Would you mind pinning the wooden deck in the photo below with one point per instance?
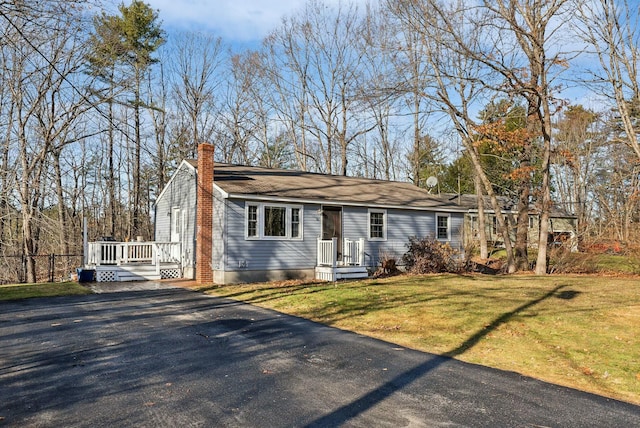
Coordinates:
(134, 261)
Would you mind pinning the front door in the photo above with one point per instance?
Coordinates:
(332, 226)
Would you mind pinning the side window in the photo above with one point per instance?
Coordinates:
(296, 230)
(377, 224)
(252, 221)
(442, 227)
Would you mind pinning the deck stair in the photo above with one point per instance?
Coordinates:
(351, 265)
(328, 273)
(134, 261)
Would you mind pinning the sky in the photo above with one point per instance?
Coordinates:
(236, 21)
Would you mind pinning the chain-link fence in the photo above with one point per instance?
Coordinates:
(49, 267)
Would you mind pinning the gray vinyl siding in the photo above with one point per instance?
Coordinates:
(262, 254)
(400, 225)
(162, 227)
(181, 192)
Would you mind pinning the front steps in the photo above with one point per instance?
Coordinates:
(328, 273)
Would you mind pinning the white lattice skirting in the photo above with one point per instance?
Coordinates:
(106, 276)
(169, 273)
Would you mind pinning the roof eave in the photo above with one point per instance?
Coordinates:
(289, 200)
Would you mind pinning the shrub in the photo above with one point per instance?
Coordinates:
(561, 261)
(427, 255)
(388, 266)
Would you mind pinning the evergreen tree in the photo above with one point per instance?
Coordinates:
(122, 55)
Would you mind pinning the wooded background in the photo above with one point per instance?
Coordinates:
(536, 100)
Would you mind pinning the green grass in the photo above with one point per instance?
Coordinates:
(577, 331)
(618, 263)
(26, 291)
(625, 264)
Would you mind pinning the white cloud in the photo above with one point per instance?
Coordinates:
(233, 20)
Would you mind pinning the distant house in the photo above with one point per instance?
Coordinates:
(562, 227)
(240, 223)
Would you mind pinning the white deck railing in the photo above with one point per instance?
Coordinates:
(118, 253)
(352, 252)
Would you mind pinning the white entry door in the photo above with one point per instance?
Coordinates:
(176, 223)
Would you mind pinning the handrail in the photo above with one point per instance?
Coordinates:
(102, 253)
(353, 252)
(327, 253)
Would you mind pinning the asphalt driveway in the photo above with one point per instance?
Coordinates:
(172, 357)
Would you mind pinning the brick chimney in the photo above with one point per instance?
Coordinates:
(204, 215)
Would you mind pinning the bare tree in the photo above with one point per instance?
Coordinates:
(285, 64)
(44, 57)
(197, 68)
(458, 80)
(412, 75)
(238, 119)
(514, 40)
(612, 30)
(378, 90)
(319, 52)
(578, 152)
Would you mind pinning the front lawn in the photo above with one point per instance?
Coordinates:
(577, 331)
(52, 289)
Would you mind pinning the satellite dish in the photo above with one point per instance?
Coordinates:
(432, 182)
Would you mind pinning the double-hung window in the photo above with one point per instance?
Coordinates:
(377, 225)
(296, 222)
(442, 227)
(272, 221)
(252, 221)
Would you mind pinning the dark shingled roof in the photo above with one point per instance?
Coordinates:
(470, 202)
(247, 181)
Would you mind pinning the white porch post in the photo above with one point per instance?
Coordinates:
(155, 259)
(85, 242)
(361, 252)
(334, 252)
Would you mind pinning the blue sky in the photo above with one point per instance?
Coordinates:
(242, 24)
(238, 22)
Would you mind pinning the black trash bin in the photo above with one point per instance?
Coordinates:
(86, 275)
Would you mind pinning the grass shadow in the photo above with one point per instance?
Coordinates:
(353, 409)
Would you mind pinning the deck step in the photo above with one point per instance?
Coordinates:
(327, 273)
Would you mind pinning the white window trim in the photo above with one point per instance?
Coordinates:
(260, 211)
(384, 224)
(448, 216)
(246, 220)
(290, 209)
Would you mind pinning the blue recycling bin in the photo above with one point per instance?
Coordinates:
(86, 275)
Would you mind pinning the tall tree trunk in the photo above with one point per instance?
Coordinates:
(62, 209)
(111, 173)
(137, 186)
(482, 230)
